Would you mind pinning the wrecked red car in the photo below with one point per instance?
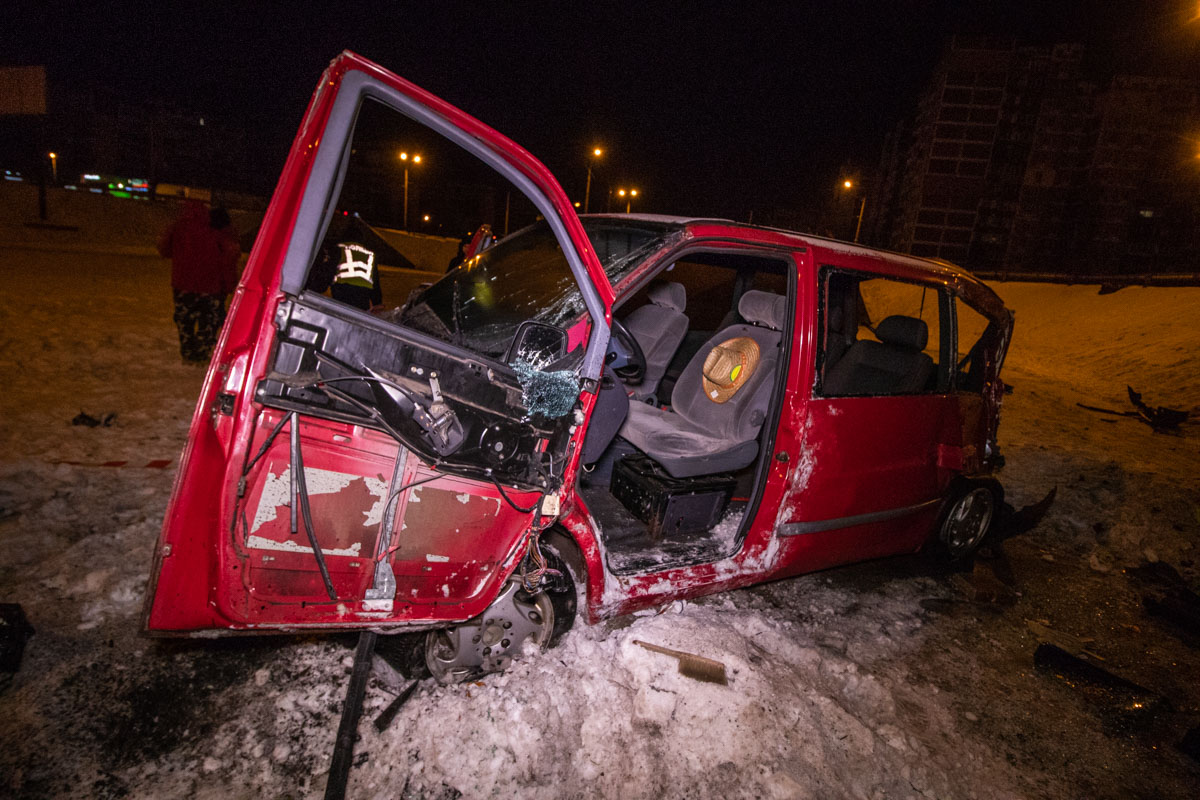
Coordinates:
(613, 411)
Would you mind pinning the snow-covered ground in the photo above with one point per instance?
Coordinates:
(879, 680)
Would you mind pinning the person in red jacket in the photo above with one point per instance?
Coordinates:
(204, 252)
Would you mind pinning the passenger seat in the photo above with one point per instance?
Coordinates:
(659, 327)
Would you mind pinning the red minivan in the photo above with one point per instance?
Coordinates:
(610, 410)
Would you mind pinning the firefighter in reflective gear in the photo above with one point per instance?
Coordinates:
(356, 281)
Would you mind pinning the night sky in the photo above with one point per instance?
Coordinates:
(708, 108)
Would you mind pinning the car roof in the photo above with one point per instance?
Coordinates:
(884, 262)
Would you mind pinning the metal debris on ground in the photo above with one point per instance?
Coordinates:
(1160, 418)
(388, 714)
(1075, 645)
(691, 665)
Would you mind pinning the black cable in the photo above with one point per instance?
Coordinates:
(392, 499)
(297, 460)
(265, 445)
(508, 499)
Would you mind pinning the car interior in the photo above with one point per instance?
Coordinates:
(882, 337)
(673, 455)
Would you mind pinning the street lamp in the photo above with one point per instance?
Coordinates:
(587, 193)
(628, 195)
(416, 159)
(848, 184)
(54, 166)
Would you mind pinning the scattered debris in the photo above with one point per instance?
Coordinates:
(984, 585)
(83, 418)
(15, 631)
(1126, 703)
(1014, 523)
(388, 714)
(692, 665)
(1070, 643)
(1168, 596)
(1159, 418)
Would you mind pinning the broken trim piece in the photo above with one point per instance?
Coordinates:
(817, 526)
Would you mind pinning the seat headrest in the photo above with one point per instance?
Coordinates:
(669, 295)
(763, 308)
(908, 332)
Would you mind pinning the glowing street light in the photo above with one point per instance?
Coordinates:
(587, 193)
(628, 195)
(849, 184)
(405, 158)
(54, 166)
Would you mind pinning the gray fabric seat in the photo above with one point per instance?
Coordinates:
(659, 327)
(698, 436)
(893, 365)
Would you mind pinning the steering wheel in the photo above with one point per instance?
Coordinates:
(631, 374)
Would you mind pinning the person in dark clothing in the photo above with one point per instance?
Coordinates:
(204, 252)
(459, 257)
(356, 281)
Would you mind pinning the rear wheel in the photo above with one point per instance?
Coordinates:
(490, 642)
(967, 519)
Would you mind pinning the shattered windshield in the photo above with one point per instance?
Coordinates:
(524, 277)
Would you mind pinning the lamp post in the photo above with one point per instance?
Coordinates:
(848, 184)
(54, 166)
(587, 193)
(405, 158)
(628, 197)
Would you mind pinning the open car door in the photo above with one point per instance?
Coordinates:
(346, 469)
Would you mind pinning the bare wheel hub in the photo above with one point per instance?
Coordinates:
(489, 642)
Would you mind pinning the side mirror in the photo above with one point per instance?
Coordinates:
(538, 344)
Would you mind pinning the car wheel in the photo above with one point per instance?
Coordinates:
(490, 642)
(967, 519)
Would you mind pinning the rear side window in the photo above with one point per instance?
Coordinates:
(882, 337)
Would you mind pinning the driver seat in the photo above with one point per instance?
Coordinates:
(700, 436)
(659, 327)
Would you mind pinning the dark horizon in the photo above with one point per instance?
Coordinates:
(708, 110)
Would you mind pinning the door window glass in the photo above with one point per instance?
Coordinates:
(407, 198)
(882, 337)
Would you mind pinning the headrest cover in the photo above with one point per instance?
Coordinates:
(763, 308)
(668, 294)
(728, 366)
(903, 331)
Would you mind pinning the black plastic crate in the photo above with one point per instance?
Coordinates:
(670, 505)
